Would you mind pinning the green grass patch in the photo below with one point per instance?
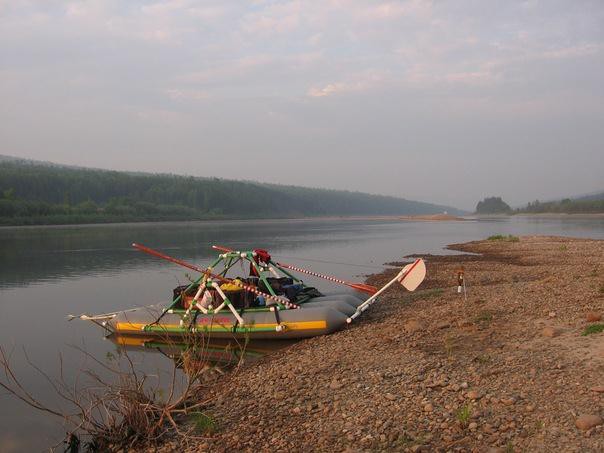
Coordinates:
(484, 317)
(449, 345)
(482, 359)
(594, 273)
(463, 415)
(204, 423)
(594, 328)
(502, 237)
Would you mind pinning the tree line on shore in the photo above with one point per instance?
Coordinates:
(566, 206)
(586, 205)
(34, 193)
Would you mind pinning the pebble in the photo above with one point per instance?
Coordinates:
(474, 395)
(335, 385)
(588, 421)
(508, 401)
(428, 408)
(551, 332)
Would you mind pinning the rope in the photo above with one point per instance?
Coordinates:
(314, 274)
(374, 266)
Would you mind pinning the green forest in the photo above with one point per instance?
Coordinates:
(588, 204)
(566, 206)
(493, 205)
(33, 193)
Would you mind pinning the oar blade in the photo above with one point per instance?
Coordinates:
(413, 275)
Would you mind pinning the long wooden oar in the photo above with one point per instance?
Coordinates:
(249, 288)
(358, 286)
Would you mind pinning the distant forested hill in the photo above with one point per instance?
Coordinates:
(590, 197)
(41, 193)
(585, 204)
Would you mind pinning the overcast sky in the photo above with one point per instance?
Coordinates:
(441, 101)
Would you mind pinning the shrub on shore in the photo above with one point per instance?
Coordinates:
(503, 237)
(594, 328)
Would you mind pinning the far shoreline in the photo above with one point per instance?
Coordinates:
(404, 218)
(231, 219)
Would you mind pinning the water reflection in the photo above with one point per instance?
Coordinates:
(221, 354)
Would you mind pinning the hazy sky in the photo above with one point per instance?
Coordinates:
(442, 101)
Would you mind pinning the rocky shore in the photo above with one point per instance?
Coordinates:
(506, 370)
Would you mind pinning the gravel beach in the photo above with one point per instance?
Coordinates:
(506, 370)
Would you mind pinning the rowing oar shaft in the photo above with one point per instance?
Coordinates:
(249, 288)
(358, 286)
(142, 248)
(222, 249)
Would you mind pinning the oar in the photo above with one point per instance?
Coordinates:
(358, 286)
(249, 288)
(410, 277)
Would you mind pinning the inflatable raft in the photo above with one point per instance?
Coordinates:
(270, 303)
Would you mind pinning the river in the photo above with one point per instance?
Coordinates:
(47, 273)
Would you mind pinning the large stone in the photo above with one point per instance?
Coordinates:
(598, 389)
(474, 395)
(588, 421)
(594, 316)
(551, 332)
(413, 325)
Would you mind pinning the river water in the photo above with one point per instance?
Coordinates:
(47, 273)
